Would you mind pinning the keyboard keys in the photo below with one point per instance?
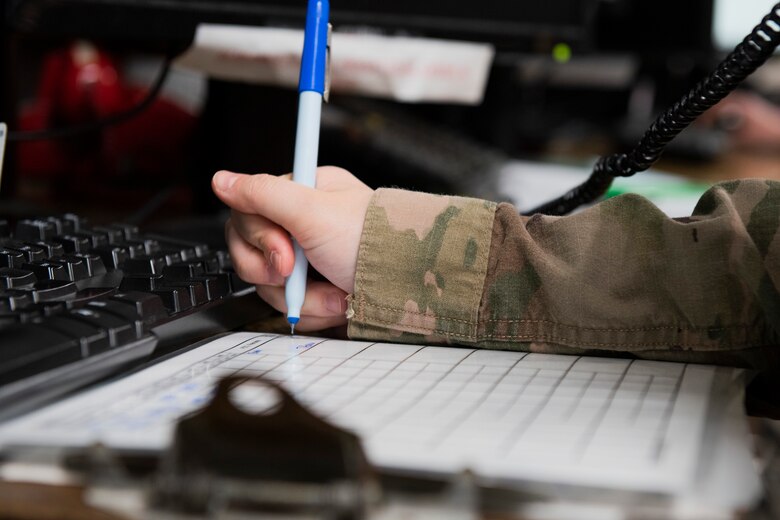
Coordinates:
(141, 282)
(128, 312)
(175, 299)
(49, 290)
(112, 256)
(31, 252)
(51, 249)
(119, 330)
(92, 339)
(91, 294)
(73, 243)
(75, 267)
(92, 262)
(183, 270)
(11, 299)
(73, 290)
(48, 270)
(148, 306)
(11, 257)
(34, 229)
(12, 278)
(144, 264)
(33, 348)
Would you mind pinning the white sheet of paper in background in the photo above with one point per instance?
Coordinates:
(394, 67)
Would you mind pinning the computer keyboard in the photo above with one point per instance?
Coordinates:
(79, 302)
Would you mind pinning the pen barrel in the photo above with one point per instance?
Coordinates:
(295, 287)
(307, 138)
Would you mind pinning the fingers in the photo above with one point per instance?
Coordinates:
(325, 305)
(249, 262)
(278, 199)
(273, 241)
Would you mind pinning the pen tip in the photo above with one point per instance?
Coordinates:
(292, 320)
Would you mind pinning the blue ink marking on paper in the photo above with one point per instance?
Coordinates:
(307, 346)
(256, 351)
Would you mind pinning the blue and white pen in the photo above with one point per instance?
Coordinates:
(312, 87)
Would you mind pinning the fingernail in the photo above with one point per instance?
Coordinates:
(224, 180)
(276, 260)
(335, 303)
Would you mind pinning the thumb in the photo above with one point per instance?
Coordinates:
(278, 199)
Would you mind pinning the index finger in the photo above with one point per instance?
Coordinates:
(278, 199)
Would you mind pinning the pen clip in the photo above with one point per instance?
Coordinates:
(326, 93)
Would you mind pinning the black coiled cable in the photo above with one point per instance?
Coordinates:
(750, 54)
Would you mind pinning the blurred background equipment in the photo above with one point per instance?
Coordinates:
(570, 80)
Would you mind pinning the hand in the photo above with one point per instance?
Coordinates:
(327, 222)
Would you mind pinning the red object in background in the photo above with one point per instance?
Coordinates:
(83, 84)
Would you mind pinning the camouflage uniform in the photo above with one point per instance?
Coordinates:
(618, 278)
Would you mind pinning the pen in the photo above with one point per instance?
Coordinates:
(311, 88)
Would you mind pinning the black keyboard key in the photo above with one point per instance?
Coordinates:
(88, 295)
(59, 228)
(141, 282)
(51, 249)
(75, 267)
(189, 250)
(148, 306)
(150, 246)
(134, 249)
(175, 299)
(14, 299)
(196, 290)
(183, 270)
(92, 261)
(129, 231)
(46, 270)
(34, 229)
(95, 238)
(14, 278)
(113, 234)
(51, 290)
(211, 264)
(217, 285)
(74, 222)
(73, 243)
(33, 348)
(11, 257)
(92, 339)
(112, 256)
(127, 312)
(236, 283)
(119, 330)
(144, 264)
(46, 309)
(31, 252)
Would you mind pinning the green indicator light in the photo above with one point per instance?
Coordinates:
(561, 53)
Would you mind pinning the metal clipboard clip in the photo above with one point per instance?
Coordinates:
(226, 457)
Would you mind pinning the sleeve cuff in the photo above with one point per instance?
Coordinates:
(421, 267)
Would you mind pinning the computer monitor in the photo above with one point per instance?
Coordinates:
(513, 25)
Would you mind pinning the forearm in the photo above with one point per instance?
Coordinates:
(618, 277)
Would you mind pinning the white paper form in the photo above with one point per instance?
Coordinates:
(508, 416)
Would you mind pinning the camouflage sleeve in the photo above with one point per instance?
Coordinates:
(620, 277)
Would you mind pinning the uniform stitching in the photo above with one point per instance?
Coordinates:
(558, 324)
(556, 339)
(488, 217)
